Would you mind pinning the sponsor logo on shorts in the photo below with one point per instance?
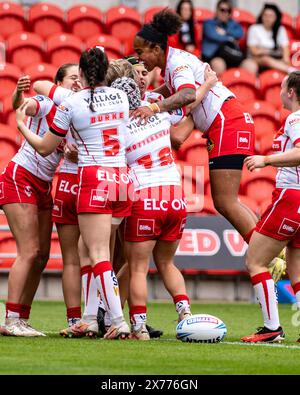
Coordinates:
(145, 227)
(276, 145)
(28, 190)
(243, 140)
(288, 227)
(98, 198)
(1, 190)
(57, 209)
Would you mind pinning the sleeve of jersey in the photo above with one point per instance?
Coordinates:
(182, 77)
(293, 128)
(62, 120)
(43, 105)
(58, 94)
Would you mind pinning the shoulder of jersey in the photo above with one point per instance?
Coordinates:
(41, 98)
(293, 119)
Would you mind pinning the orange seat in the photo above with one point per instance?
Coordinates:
(8, 148)
(288, 22)
(46, 19)
(40, 71)
(283, 114)
(9, 119)
(9, 75)
(25, 48)
(149, 12)
(11, 132)
(85, 21)
(64, 48)
(11, 18)
(270, 85)
(241, 82)
(8, 249)
(123, 23)
(264, 144)
(113, 46)
(265, 117)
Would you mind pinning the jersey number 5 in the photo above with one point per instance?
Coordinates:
(111, 143)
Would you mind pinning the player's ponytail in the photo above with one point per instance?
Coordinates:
(164, 23)
(94, 63)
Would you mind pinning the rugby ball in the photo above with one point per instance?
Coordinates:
(201, 328)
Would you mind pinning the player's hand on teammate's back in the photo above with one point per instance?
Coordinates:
(210, 76)
(23, 83)
(143, 113)
(71, 152)
(255, 162)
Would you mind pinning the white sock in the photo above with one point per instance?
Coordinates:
(109, 290)
(296, 288)
(264, 288)
(90, 293)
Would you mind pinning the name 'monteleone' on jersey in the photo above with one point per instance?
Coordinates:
(99, 135)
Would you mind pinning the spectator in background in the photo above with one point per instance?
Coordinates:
(220, 45)
(188, 37)
(268, 43)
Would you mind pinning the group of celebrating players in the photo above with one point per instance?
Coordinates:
(118, 185)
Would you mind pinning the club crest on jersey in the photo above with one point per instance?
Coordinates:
(39, 98)
(145, 227)
(1, 190)
(28, 190)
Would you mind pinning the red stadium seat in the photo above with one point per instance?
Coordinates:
(11, 132)
(283, 114)
(113, 46)
(25, 48)
(200, 15)
(241, 82)
(9, 118)
(264, 144)
(197, 155)
(270, 82)
(265, 204)
(258, 184)
(64, 48)
(149, 12)
(288, 23)
(265, 117)
(250, 203)
(11, 18)
(194, 140)
(85, 21)
(9, 75)
(209, 208)
(46, 19)
(123, 23)
(3, 220)
(246, 19)
(40, 71)
(8, 148)
(8, 250)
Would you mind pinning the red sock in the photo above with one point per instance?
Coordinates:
(73, 312)
(247, 237)
(13, 310)
(25, 311)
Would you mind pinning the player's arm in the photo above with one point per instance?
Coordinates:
(162, 90)
(45, 145)
(181, 132)
(23, 85)
(289, 158)
(43, 87)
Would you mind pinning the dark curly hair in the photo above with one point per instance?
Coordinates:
(94, 64)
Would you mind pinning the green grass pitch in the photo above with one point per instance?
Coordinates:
(56, 355)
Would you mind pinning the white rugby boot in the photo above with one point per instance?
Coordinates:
(140, 334)
(184, 313)
(118, 331)
(19, 327)
(81, 329)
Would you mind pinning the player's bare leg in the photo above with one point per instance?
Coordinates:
(262, 249)
(163, 254)
(95, 231)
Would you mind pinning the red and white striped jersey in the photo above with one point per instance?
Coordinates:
(27, 157)
(99, 135)
(58, 94)
(148, 152)
(185, 70)
(286, 139)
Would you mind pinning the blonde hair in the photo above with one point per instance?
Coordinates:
(117, 69)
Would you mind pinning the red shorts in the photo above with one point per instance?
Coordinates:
(104, 190)
(18, 185)
(64, 207)
(232, 131)
(281, 220)
(159, 213)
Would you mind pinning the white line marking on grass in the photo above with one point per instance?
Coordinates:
(272, 345)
